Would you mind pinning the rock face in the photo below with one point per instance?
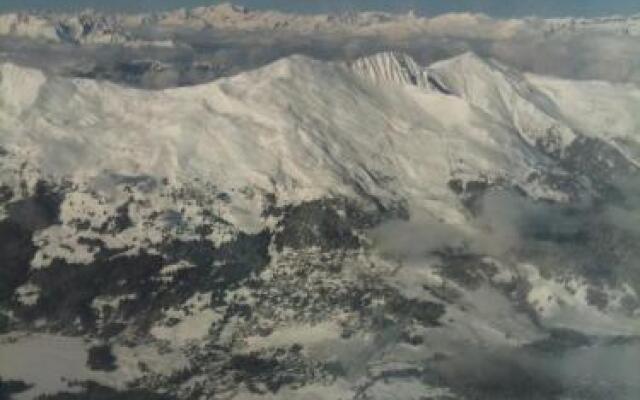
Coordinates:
(397, 68)
(315, 230)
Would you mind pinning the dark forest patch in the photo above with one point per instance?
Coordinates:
(67, 290)
(94, 391)
(329, 224)
(101, 358)
(24, 218)
(315, 223)
(9, 387)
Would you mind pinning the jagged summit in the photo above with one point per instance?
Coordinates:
(225, 8)
(398, 68)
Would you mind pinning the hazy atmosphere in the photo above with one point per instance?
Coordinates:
(320, 200)
(501, 8)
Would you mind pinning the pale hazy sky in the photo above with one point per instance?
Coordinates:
(500, 8)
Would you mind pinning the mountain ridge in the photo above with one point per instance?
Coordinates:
(467, 76)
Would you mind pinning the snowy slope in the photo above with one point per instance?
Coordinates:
(500, 91)
(311, 128)
(307, 127)
(597, 109)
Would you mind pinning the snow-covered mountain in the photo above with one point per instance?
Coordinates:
(318, 230)
(192, 46)
(83, 28)
(92, 27)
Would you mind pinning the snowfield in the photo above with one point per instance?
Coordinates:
(309, 128)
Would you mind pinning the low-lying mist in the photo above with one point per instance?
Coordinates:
(201, 55)
(595, 240)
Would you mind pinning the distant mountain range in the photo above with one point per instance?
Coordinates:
(91, 27)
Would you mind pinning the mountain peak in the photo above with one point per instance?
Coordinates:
(395, 67)
(222, 9)
(502, 91)
(469, 70)
(468, 61)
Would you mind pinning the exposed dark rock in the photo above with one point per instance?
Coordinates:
(438, 85)
(575, 188)
(551, 143)
(471, 192)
